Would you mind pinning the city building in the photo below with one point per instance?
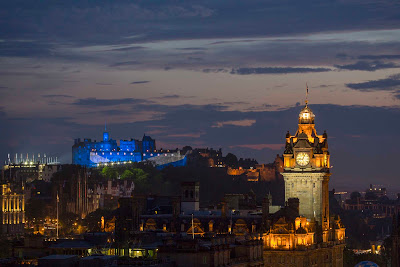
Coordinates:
(395, 259)
(12, 201)
(213, 251)
(20, 170)
(374, 201)
(190, 198)
(95, 154)
(303, 233)
(306, 169)
(214, 157)
(81, 200)
(111, 191)
(260, 172)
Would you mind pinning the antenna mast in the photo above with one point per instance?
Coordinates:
(306, 94)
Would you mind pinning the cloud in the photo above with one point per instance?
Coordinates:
(192, 48)
(186, 135)
(368, 65)
(215, 70)
(104, 83)
(175, 96)
(59, 95)
(387, 84)
(232, 41)
(169, 96)
(243, 123)
(125, 63)
(94, 102)
(276, 70)
(325, 85)
(261, 146)
(342, 56)
(125, 49)
(25, 48)
(376, 57)
(139, 82)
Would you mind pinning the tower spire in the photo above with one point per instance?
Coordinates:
(105, 126)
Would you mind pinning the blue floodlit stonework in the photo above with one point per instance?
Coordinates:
(93, 154)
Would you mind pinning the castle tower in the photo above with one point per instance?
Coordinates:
(106, 136)
(306, 169)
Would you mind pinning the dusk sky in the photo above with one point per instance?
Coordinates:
(229, 74)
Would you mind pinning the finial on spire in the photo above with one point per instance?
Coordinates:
(306, 94)
(105, 126)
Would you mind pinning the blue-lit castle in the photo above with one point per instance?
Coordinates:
(93, 154)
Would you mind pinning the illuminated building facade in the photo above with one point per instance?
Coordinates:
(21, 170)
(306, 169)
(12, 210)
(90, 153)
(303, 233)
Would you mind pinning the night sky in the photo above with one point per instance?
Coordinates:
(227, 74)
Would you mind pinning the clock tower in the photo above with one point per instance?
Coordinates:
(306, 170)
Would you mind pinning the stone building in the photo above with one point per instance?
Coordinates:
(76, 196)
(12, 213)
(303, 232)
(213, 251)
(260, 172)
(190, 197)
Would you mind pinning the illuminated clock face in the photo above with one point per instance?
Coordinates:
(302, 158)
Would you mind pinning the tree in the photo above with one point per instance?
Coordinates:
(109, 172)
(141, 180)
(127, 174)
(140, 175)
